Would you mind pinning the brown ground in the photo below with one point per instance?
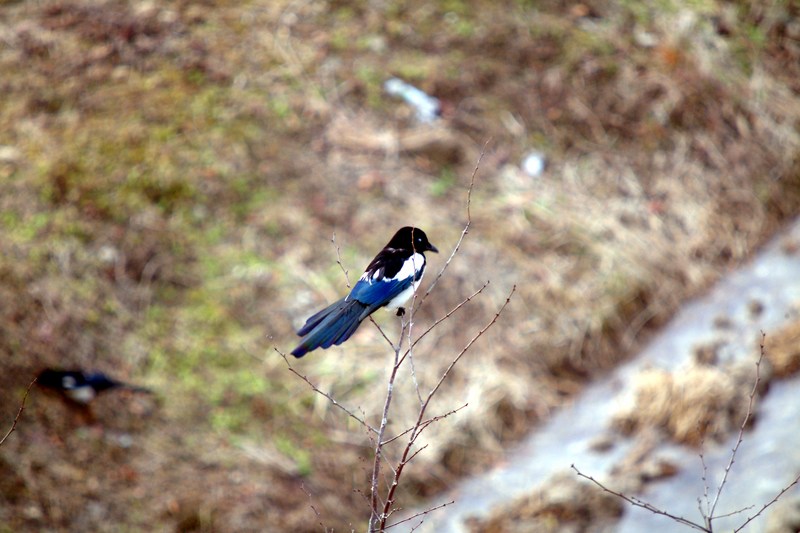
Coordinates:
(173, 174)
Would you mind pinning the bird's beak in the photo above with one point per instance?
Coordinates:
(432, 248)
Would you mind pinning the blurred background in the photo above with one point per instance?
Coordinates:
(173, 174)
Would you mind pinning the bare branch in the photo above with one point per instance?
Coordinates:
(378, 519)
(375, 515)
(19, 412)
(636, 502)
(330, 398)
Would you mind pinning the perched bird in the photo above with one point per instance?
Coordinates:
(81, 387)
(389, 281)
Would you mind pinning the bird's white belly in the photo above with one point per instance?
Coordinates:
(81, 394)
(403, 297)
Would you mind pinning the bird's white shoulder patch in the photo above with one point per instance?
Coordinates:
(410, 267)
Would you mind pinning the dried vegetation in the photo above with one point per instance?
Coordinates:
(173, 172)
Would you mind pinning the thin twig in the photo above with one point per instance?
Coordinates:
(446, 316)
(411, 344)
(705, 483)
(19, 412)
(422, 513)
(734, 513)
(383, 333)
(311, 504)
(636, 502)
(414, 454)
(339, 260)
(470, 343)
(740, 437)
(330, 398)
(768, 504)
(463, 232)
(425, 423)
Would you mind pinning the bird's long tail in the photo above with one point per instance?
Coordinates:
(333, 325)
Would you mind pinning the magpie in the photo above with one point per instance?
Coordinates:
(389, 281)
(81, 387)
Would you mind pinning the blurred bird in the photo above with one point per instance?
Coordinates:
(389, 281)
(81, 387)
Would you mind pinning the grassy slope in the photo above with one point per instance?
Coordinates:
(172, 174)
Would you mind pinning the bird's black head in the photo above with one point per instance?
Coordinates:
(73, 379)
(409, 238)
(52, 379)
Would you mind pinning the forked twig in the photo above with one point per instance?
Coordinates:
(379, 516)
(418, 427)
(709, 513)
(447, 315)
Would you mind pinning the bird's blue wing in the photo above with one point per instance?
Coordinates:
(378, 293)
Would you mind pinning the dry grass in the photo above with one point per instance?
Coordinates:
(691, 405)
(173, 174)
(783, 350)
(564, 505)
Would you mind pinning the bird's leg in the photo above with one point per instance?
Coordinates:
(401, 311)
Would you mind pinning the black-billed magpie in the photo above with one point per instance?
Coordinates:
(389, 281)
(81, 387)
